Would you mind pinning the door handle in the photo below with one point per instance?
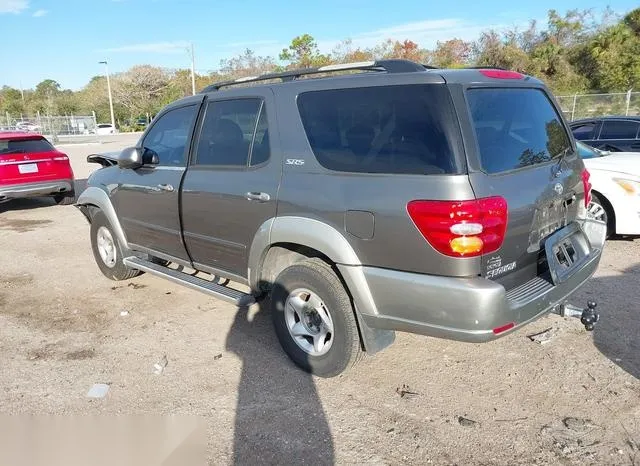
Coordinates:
(165, 187)
(260, 197)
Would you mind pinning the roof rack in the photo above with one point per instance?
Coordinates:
(390, 66)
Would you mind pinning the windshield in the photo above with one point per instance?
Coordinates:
(516, 128)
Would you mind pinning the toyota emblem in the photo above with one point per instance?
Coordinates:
(558, 188)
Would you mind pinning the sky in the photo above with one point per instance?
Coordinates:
(65, 39)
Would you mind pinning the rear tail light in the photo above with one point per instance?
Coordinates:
(587, 186)
(61, 158)
(461, 228)
(501, 74)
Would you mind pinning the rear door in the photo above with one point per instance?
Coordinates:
(31, 159)
(231, 185)
(526, 156)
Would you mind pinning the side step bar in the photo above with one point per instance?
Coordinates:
(230, 295)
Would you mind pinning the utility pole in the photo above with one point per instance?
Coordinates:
(193, 71)
(106, 69)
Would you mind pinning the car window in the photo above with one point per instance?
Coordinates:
(18, 146)
(227, 131)
(515, 136)
(261, 150)
(583, 132)
(169, 136)
(619, 129)
(405, 129)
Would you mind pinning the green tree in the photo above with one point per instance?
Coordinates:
(303, 53)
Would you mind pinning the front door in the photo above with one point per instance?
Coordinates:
(147, 198)
(231, 185)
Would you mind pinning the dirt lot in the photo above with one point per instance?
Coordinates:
(574, 400)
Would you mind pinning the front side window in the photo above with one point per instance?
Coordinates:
(169, 135)
(619, 129)
(230, 129)
(515, 128)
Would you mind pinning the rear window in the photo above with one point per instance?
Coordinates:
(515, 128)
(15, 146)
(392, 129)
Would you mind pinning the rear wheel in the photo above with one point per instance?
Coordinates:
(107, 251)
(65, 199)
(314, 319)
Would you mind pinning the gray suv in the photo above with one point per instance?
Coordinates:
(358, 200)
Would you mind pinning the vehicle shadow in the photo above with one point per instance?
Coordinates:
(617, 333)
(279, 416)
(38, 202)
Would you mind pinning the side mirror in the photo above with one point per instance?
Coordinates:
(135, 157)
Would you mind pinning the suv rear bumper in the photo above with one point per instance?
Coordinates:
(43, 188)
(463, 309)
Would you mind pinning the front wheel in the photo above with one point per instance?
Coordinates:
(314, 319)
(107, 250)
(599, 210)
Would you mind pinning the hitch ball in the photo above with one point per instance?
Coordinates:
(590, 316)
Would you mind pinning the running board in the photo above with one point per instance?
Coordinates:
(225, 293)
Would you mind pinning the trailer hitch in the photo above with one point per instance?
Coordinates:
(588, 316)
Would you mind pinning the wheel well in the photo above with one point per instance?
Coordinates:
(89, 211)
(283, 255)
(611, 214)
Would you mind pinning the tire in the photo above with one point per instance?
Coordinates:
(112, 266)
(601, 210)
(65, 199)
(314, 284)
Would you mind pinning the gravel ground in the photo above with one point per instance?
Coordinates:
(573, 400)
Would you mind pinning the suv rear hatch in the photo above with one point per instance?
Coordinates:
(31, 159)
(523, 154)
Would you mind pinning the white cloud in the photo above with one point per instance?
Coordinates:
(39, 13)
(154, 47)
(13, 6)
(425, 33)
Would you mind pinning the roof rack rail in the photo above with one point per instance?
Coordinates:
(390, 66)
(485, 68)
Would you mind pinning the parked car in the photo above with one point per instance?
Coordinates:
(105, 128)
(397, 199)
(30, 166)
(615, 177)
(610, 133)
(27, 126)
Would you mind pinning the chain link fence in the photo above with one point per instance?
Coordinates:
(580, 106)
(58, 127)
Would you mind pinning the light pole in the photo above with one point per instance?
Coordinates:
(113, 120)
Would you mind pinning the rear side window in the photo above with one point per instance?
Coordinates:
(392, 129)
(583, 132)
(619, 129)
(232, 132)
(515, 128)
(19, 146)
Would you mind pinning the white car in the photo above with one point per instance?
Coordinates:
(615, 180)
(105, 128)
(27, 126)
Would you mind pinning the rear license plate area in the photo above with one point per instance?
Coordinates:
(25, 168)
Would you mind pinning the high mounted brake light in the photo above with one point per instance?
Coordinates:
(502, 74)
(461, 228)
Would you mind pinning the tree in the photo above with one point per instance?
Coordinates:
(344, 52)
(140, 90)
(246, 64)
(303, 53)
(451, 53)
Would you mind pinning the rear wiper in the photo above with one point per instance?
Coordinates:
(561, 156)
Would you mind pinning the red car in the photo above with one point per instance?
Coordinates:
(30, 167)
